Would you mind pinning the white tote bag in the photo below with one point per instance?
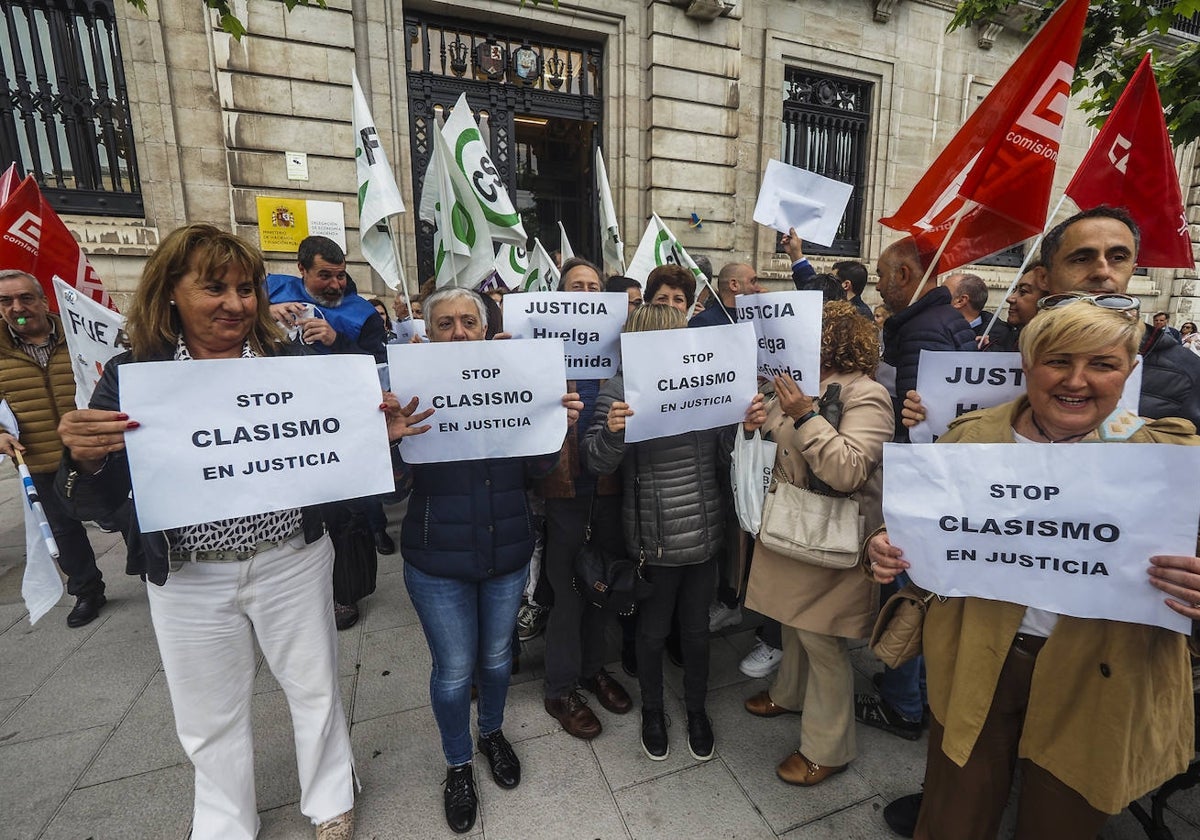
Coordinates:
(753, 463)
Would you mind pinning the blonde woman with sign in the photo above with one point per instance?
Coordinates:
(1095, 712)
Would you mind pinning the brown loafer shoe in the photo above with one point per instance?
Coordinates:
(762, 705)
(611, 694)
(573, 714)
(798, 770)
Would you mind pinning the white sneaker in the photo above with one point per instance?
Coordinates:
(720, 616)
(762, 661)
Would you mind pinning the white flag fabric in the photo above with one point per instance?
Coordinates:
(512, 262)
(95, 334)
(610, 232)
(542, 275)
(659, 247)
(564, 247)
(378, 196)
(8, 422)
(41, 587)
(462, 244)
(471, 156)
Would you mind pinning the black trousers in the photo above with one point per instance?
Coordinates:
(686, 590)
(575, 633)
(75, 555)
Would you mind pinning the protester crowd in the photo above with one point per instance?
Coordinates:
(1096, 713)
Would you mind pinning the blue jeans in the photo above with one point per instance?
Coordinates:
(469, 627)
(904, 687)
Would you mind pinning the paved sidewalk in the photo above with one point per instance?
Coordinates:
(88, 748)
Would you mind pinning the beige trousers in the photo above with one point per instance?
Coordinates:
(815, 676)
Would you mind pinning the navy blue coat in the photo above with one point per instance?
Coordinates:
(470, 520)
(929, 324)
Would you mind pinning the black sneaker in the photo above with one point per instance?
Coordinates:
(460, 798)
(502, 761)
(901, 814)
(877, 712)
(700, 736)
(654, 734)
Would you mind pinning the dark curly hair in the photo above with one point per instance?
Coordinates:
(849, 341)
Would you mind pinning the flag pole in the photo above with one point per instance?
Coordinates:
(399, 264)
(35, 504)
(1029, 252)
(958, 217)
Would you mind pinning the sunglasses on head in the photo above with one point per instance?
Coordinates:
(1111, 301)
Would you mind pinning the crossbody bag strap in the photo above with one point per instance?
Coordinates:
(830, 407)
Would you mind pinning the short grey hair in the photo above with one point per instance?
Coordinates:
(10, 273)
(455, 293)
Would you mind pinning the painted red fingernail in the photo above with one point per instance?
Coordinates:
(132, 424)
(122, 416)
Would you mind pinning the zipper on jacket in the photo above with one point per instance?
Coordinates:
(425, 530)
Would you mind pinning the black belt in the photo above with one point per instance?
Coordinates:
(1029, 645)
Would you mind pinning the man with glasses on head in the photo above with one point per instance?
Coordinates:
(37, 382)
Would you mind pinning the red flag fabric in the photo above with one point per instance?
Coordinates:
(1130, 164)
(8, 183)
(33, 238)
(998, 169)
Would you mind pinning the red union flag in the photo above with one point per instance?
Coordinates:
(1130, 165)
(1002, 160)
(33, 238)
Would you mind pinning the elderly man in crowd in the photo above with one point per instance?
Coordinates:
(37, 382)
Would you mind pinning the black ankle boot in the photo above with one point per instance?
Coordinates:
(460, 799)
(654, 734)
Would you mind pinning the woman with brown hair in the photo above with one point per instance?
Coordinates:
(821, 609)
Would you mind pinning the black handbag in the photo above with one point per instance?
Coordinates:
(605, 579)
(355, 562)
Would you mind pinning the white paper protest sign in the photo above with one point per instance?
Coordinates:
(589, 323)
(794, 197)
(94, 335)
(788, 330)
(232, 437)
(686, 380)
(1069, 529)
(951, 383)
(491, 399)
(409, 327)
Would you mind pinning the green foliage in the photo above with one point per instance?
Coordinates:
(1116, 36)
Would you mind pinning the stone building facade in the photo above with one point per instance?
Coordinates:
(688, 99)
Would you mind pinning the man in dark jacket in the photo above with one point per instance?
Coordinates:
(735, 279)
(1095, 252)
(929, 323)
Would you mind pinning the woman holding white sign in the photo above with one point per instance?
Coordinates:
(821, 609)
(1096, 712)
(217, 587)
(674, 524)
(467, 539)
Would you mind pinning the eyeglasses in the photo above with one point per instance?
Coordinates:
(1112, 301)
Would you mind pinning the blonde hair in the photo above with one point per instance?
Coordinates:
(654, 316)
(1078, 328)
(153, 324)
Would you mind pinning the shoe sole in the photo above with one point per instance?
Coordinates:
(699, 757)
(721, 625)
(654, 757)
(759, 674)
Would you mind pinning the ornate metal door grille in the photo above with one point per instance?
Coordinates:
(503, 74)
(64, 111)
(826, 129)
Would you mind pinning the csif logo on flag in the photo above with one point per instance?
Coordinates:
(26, 232)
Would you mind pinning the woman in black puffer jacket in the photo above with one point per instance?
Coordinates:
(675, 524)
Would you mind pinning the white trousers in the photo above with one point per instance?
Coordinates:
(204, 617)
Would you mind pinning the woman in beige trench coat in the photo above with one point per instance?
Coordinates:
(819, 608)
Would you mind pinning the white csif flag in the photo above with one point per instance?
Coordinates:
(462, 244)
(512, 263)
(470, 155)
(542, 275)
(610, 232)
(564, 247)
(378, 196)
(659, 247)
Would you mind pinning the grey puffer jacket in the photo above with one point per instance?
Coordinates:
(682, 514)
